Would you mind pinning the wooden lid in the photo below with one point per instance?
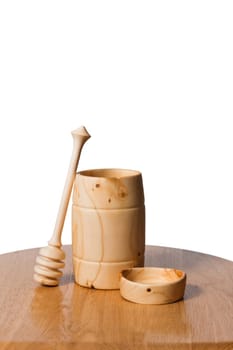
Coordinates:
(152, 285)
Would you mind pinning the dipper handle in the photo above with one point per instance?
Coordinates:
(80, 136)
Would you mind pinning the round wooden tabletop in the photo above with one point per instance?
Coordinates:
(73, 317)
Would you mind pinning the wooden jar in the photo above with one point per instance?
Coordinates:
(108, 226)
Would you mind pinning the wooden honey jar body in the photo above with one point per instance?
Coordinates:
(108, 226)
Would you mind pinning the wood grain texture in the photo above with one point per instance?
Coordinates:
(108, 226)
(74, 317)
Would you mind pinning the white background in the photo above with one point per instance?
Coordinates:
(152, 81)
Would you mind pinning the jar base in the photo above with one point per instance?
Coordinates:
(99, 275)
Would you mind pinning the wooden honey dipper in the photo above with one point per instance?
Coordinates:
(51, 258)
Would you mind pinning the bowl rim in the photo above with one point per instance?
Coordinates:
(152, 284)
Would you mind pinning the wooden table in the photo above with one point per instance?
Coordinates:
(73, 317)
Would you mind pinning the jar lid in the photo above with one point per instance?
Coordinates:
(152, 285)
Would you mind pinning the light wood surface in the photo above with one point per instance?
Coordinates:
(108, 225)
(74, 317)
(49, 262)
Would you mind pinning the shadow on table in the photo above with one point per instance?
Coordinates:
(192, 291)
(67, 278)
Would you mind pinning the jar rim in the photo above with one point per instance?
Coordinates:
(109, 173)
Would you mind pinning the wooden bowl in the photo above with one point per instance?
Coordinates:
(152, 285)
